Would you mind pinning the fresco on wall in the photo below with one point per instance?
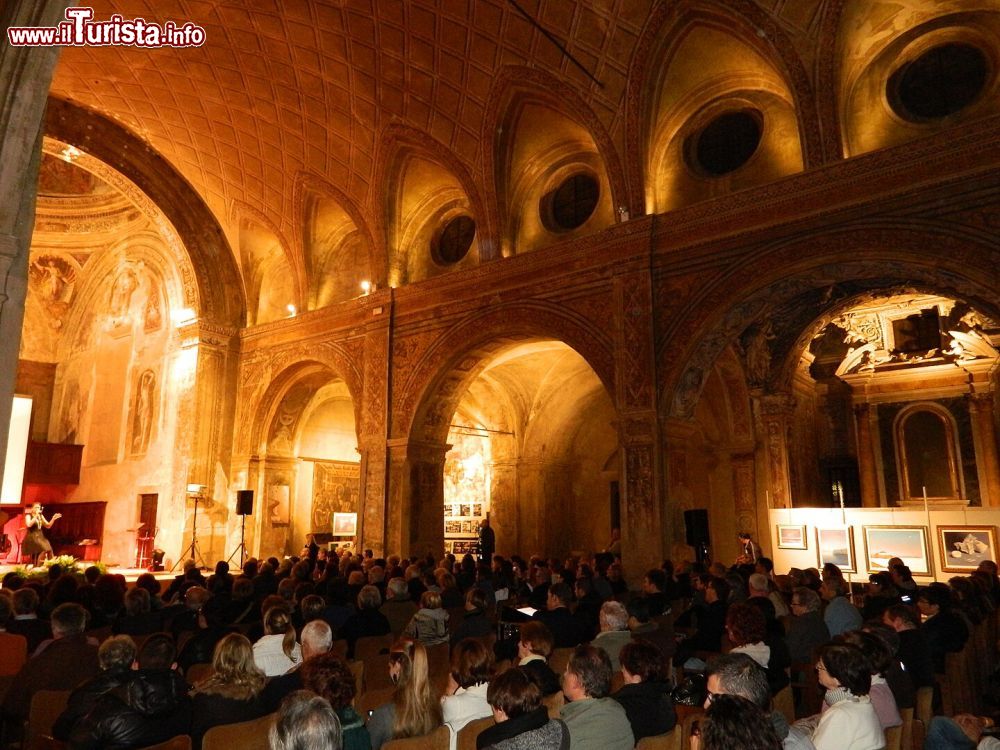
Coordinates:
(277, 504)
(336, 485)
(142, 413)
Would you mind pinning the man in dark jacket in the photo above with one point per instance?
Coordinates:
(150, 707)
(645, 696)
(566, 630)
(69, 659)
(487, 542)
(115, 656)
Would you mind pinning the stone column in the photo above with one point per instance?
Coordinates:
(25, 77)
(985, 442)
(416, 497)
(745, 499)
(638, 425)
(504, 495)
(373, 432)
(774, 415)
(864, 414)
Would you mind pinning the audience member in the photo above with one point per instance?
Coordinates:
(277, 651)
(594, 720)
(645, 694)
(232, 693)
(522, 722)
(738, 674)
(914, 653)
(614, 632)
(566, 630)
(330, 678)
(414, 709)
(878, 655)
(115, 657)
(533, 651)
(733, 722)
(840, 615)
(807, 629)
(944, 631)
(367, 621)
(430, 623)
(151, 706)
(306, 722)
(468, 682)
(317, 639)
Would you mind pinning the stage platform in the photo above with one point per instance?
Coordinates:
(131, 574)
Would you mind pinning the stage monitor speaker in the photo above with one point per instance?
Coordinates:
(696, 526)
(244, 502)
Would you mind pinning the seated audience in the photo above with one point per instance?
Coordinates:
(711, 624)
(914, 653)
(522, 722)
(533, 651)
(430, 623)
(69, 659)
(944, 631)
(840, 615)
(26, 621)
(807, 629)
(465, 697)
(306, 722)
(594, 720)
(115, 657)
(733, 722)
(645, 696)
(850, 723)
(139, 617)
(566, 630)
(277, 651)
(878, 655)
(232, 693)
(879, 595)
(738, 674)
(475, 621)
(414, 709)
(367, 621)
(961, 732)
(659, 634)
(330, 678)
(317, 639)
(614, 632)
(653, 585)
(745, 628)
(398, 608)
(151, 706)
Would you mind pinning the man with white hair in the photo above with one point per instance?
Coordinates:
(614, 631)
(317, 639)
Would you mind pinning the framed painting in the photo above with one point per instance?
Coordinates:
(836, 545)
(792, 537)
(964, 547)
(345, 524)
(909, 543)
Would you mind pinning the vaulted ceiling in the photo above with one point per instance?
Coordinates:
(285, 87)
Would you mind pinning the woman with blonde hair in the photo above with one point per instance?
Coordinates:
(414, 709)
(277, 651)
(232, 693)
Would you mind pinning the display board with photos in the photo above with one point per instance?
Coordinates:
(461, 527)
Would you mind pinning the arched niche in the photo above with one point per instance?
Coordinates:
(539, 151)
(878, 39)
(928, 454)
(427, 197)
(705, 72)
(268, 276)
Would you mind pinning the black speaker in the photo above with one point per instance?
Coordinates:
(244, 502)
(696, 526)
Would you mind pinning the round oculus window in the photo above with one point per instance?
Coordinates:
(571, 204)
(727, 142)
(942, 81)
(454, 240)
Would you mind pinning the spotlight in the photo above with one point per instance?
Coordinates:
(366, 286)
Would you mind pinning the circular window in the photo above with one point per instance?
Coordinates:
(727, 142)
(941, 82)
(454, 241)
(571, 204)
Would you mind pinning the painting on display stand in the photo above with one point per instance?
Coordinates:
(836, 545)
(964, 547)
(792, 537)
(909, 543)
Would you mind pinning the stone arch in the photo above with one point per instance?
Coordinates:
(815, 274)
(515, 84)
(433, 385)
(243, 213)
(309, 186)
(666, 23)
(215, 271)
